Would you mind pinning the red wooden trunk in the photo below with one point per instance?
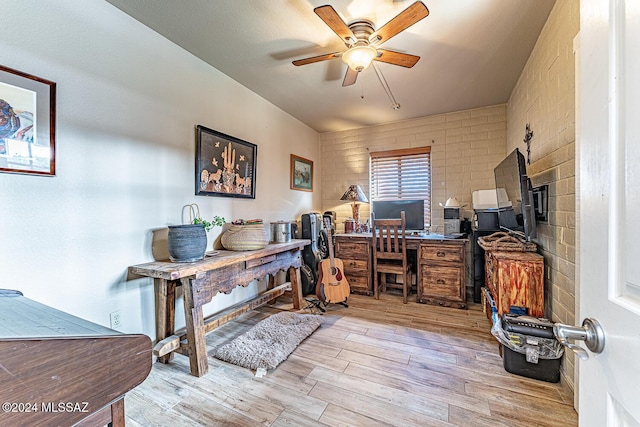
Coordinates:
(516, 279)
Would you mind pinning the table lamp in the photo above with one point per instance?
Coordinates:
(355, 194)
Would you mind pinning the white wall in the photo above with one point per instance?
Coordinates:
(128, 101)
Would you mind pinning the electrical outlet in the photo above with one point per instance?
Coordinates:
(116, 319)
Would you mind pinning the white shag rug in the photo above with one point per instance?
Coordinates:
(270, 341)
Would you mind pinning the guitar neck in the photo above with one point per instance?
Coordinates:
(329, 241)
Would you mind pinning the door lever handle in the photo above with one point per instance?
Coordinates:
(591, 333)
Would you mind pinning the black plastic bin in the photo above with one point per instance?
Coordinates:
(545, 370)
(525, 352)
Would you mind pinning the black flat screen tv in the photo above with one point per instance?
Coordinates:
(390, 209)
(515, 197)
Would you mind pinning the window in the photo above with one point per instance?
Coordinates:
(402, 175)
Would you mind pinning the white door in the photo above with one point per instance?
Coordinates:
(608, 152)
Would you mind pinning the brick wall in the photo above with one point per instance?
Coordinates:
(465, 147)
(544, 97)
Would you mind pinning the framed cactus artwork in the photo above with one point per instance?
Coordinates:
(225, 165)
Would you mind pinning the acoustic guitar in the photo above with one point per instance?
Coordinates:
(332, 286)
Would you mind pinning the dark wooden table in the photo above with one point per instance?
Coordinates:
(204, 279)
(57, 369)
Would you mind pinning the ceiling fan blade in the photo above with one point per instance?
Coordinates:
(330, 17)
(350, 77)
(396, 58)
(402, 21)
(318, 58)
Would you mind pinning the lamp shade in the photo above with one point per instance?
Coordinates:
(359, 57)
(354, 194)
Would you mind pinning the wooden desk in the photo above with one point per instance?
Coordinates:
(58, 369)
(201, 281)
(354, 249)
(440, 268)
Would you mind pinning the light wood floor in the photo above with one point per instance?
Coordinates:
(374, 363)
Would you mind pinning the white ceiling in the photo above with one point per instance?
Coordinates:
(472, 52)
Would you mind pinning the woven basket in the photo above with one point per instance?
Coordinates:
(245, 237)
(502, 241)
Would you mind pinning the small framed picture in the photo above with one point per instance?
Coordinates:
(225, 165)
(301, 173)
(27, 123)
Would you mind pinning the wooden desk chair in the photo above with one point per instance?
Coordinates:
(390, 253)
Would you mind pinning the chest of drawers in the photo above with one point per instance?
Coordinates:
(441, 273)
(355, 253)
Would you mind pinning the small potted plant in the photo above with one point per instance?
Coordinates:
(188, 242)
(208, 225)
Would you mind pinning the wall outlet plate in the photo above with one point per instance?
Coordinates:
(116, 319)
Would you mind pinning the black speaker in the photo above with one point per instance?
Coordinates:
(465, 226)
(478, 263)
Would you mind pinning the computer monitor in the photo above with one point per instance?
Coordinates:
(390, 209)
(515, 197)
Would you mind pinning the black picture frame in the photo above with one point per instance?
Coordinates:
(27, 123)
(225, 165)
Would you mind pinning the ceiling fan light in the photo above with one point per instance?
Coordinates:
(359, 57)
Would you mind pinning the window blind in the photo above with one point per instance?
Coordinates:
(402, 175)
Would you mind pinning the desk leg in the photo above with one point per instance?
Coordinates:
(419, 282)
(271, 283)
(296, 288)
(165, 292)
(196, 341)
(117, 413)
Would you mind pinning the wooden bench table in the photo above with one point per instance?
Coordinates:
(204, 279)
(60, 370)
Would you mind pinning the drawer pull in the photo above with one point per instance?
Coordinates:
(440, 281)
(441, 254)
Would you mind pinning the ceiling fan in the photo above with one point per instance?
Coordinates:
(363, 40)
